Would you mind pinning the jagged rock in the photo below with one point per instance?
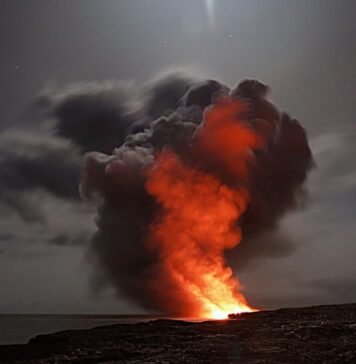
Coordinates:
(323, 334)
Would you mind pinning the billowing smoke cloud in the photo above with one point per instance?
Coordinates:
(163, 96)
(196, 123)
(40, 160)
(94, 116)
(122, 129)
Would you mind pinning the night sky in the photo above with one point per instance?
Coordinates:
(304, 50)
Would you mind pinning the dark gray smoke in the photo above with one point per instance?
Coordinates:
(162, 96)
(125, 209)
(65, 122)
(94, 116)
(119, 127)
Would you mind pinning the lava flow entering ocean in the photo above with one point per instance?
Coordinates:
(204, 170)
(199, 216)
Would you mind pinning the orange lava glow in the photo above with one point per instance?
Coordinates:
(199, 217)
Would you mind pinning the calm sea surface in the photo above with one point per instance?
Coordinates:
(18, 329)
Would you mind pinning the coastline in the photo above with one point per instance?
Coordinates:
(324, 334)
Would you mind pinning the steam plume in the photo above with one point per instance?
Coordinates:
(189, 184)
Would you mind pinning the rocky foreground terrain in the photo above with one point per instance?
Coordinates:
(324, 334)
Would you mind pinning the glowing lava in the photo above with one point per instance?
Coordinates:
(199, 216)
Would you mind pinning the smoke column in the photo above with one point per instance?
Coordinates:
(220, 169)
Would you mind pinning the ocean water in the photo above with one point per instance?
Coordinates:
(18, 329)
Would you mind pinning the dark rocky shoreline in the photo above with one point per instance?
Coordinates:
(321, 334)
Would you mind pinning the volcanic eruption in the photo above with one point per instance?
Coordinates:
(217, 168)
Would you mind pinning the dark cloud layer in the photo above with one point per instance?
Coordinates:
(29, 160)
(33, 162)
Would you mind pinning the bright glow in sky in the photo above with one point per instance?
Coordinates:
(210, 9)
